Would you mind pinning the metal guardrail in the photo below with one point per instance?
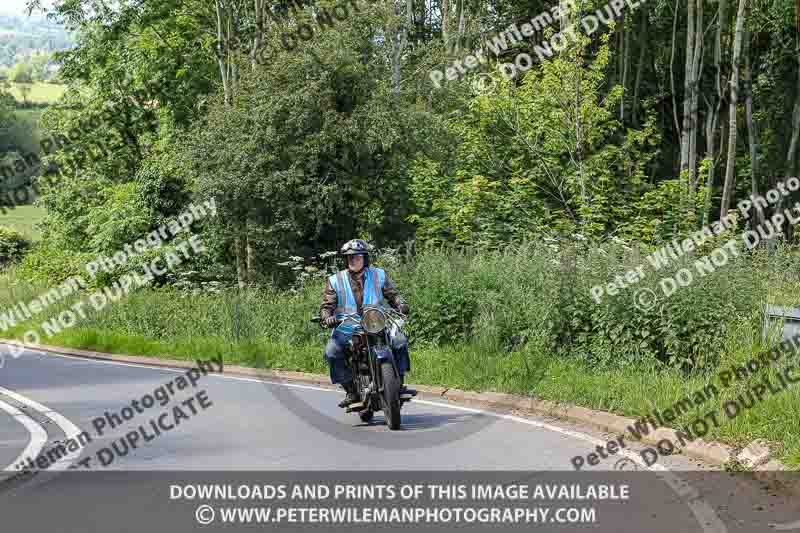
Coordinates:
(790, 317)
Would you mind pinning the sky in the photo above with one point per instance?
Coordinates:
(15, 7)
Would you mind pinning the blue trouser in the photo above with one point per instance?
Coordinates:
(335, 355)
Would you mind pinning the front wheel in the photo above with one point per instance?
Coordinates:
(391, 396)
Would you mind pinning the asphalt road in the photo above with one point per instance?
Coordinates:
(233, 428)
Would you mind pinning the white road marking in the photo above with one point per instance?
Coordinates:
(71, 431)
(703, 512)
(786, 527)
(37, 432)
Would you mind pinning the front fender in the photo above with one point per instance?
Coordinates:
(382, 353)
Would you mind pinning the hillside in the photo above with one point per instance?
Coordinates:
(24, 37)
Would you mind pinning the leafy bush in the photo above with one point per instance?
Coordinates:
(513, 306)
(439, 291)
(13, 245)
(541, 293)
(49, 265)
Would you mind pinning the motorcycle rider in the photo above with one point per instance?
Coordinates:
(363, 285)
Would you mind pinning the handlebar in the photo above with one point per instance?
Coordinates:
(318, 320)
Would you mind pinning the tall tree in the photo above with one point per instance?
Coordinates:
(730, 177)
(713, 106)
(752, 133)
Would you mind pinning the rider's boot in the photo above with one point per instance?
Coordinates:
(351, 397)
(405, 392)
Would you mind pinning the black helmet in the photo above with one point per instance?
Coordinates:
(355, 247)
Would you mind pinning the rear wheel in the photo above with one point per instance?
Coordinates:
(391, 396)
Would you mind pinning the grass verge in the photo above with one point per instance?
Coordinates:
(517, 322)
(626, 391)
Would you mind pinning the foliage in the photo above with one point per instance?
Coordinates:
(574, 163)
(541, 294)
(13, 245)
(318, 163)
(660, 214)
(519, 171)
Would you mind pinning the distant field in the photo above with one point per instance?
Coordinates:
(22, 219)
(40, 92)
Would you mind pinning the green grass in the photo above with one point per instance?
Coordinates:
(32, 115)
(629, 392)
(40, 92)
(785, 293)
(23, 218)
(268, 328)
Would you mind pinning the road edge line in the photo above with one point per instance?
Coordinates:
(710, 451)
(70, 430)
(38, 435)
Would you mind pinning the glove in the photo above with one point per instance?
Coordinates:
(403, 308)
(330, 322)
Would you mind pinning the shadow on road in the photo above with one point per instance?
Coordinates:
(417, 422)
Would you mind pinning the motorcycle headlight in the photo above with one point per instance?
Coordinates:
(373, 321)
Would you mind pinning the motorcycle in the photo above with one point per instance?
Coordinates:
(369, 355)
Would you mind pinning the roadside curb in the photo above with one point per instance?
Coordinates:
(711, 452)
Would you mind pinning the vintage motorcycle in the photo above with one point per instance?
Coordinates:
(369, 356)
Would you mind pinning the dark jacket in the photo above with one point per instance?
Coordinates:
(329, 298)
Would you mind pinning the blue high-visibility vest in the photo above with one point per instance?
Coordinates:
(374, 279)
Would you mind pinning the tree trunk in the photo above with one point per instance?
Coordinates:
(578, 123)
(222, 51)
(672, 70)
(752, 135)
(241, 266)
(722, 19)
(398, 42)
(625, 65)
(688, 85)
(711, 131)
(460, 20)
(445, 18)
(791, 155)
(258, 38)
(715, 109)
(227, 35)
(619, 51)
(251, 255)
(639, 68)
(697, 68)
(727, 191)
